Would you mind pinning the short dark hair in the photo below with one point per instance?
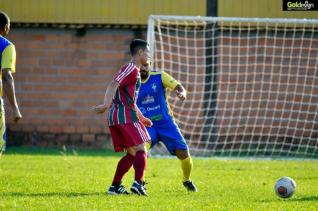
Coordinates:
(137, 44)
(4, 19)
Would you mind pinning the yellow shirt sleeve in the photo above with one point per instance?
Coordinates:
(8, 58)
(168, 81)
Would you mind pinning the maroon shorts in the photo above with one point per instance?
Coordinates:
(128, 135)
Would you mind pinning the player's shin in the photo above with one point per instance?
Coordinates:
(122, 168)
(186, 166)
(139, 164)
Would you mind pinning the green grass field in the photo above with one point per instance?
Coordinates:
(36, 179)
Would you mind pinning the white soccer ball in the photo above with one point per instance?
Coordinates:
(285, 187)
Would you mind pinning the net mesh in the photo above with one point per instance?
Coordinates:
(252, 83)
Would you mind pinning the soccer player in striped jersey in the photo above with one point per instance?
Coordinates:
(7, 66)
(125, 121)
(153, 104)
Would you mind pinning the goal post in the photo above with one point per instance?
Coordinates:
(252, 83)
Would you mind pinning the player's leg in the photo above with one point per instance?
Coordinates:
(186, 166)
(186, 163)
(175, 143)
(2, 129)
(140, 162)
(149, 145)
(138, 136)
(152, 131)
(124, 164)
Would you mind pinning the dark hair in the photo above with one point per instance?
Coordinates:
(137, 44)
(4, 19)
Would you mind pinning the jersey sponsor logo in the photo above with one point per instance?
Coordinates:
(153, 108)
(148, 99)
(142, 110)
(154, 87)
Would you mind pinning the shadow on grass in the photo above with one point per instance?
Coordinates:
(59, 151)
(305, 198)
(51, 194)
(294, 198)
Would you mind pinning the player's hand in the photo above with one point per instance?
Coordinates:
(100, 108)
(16, 115)
(145, 121)
(181, 95)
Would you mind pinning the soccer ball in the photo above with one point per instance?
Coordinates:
(285, 187)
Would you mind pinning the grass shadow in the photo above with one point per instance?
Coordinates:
(51, 194)
(294, 198)
(305, 198)
(59, 151)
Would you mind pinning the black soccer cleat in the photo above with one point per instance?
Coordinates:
(138, 188)
(117, 190)
(144, 183)
(189, 185)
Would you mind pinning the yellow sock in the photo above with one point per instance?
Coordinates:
(186, 165)
(148, 145)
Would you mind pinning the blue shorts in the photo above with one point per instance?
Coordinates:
(169, 134)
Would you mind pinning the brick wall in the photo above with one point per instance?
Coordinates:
(59, 77)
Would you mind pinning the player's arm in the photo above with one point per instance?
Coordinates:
(109, 94)
(171, 83)
(7, 68)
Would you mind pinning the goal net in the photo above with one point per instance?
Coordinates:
(252, 83)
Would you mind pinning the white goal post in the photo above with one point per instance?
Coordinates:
(252, 83)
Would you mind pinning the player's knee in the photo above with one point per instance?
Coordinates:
(140, 147)
(131, 151)
(182, 154)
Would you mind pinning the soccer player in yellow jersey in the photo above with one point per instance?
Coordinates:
(7, 66)
(153, 104)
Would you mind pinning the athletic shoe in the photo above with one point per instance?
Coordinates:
(144, 183)
(138, 188)
(117, 189)
(190, 186)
